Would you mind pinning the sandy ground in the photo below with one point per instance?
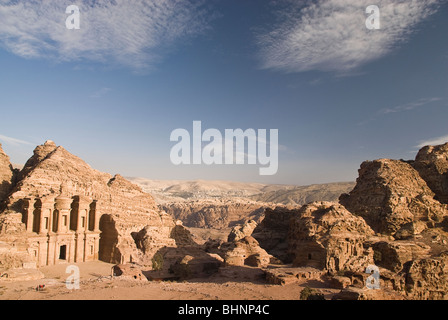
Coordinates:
(96, 283)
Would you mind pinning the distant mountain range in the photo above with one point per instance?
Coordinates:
(168, 191)
(222, 204)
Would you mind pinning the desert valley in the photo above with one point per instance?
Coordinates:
(136, 238)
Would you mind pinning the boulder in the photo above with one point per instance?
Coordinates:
(198, 265)
(246, 251)
(128, 271)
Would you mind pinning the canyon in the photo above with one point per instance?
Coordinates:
(57, 210)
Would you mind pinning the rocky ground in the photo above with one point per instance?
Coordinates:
(96, 283)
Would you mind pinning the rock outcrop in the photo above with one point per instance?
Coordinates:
(6, 176)
(427, 278)
(393, 255)
(431, 163)
(124, 207)
(240, 231)
(326, 236)
(390, 194)
(245, 251)
(272, 232)
(215, 213)
(171, 253)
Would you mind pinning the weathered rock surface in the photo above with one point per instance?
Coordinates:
(13, 255)
(245, 251)
(393, 255)
(170, 252)
(326, 236)
(129, 271)
(215, 213)
(431, 163)
(151, 239)
(195, 263)
(390, 194)
(240, 231)
(272, 232)
(6, 176)
(353, 293)
(125, 208)
(427, 278)
(287, 275)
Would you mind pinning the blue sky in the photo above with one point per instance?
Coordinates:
(113, 91)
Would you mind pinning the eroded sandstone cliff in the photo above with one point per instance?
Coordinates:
(123, 206)
(390, 194)
(6, 176)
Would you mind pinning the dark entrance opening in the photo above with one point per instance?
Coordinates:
(63, 252)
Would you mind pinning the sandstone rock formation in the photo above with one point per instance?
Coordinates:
(240, 231)
(215, 213)
(193, 263)
(393, 218)
(427, 278)
(390, 194)
(124, 207)
(245, 251)
(353, 293)
(393, 255)
(326, 236)
(431, 163)
(287, 275)
(169, 252)
(6, 176)
(272, 232)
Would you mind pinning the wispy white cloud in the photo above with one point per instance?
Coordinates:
(131, 33)
(432, 141)
(331, 35)
(410, 106)
(13, 141)
(401, 108)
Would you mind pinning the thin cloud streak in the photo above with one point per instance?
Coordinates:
(432, 142)
(410, 106)
(401, 108)
(13, 141)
